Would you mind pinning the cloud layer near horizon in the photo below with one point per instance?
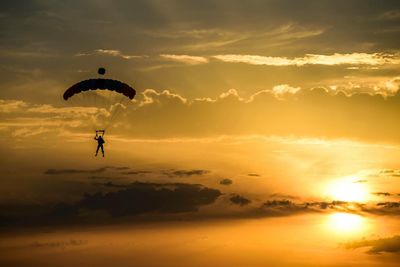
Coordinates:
(283, 110)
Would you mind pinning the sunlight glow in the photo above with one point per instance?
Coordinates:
(348, 190)
(345, 223)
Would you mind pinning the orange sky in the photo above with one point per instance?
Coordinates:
(258, 130)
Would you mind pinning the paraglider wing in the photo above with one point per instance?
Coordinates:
(102, 84)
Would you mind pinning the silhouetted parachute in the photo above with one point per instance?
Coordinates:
(103, 98)
(100, 84)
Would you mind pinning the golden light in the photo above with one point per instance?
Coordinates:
(346, 223)
(348, 189)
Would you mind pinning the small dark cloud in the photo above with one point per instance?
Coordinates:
(138, 172)
(253, 174)
(100, 177)
(383, 208)
(283, 207)
(240, 200)
(78, 171)
(59, 244)
(282, 196)
(110, 184)
(226, 181)
(389, 204)
(360, 181)
(185, 173)
(377, 246)
(382, 194)
(390, 172)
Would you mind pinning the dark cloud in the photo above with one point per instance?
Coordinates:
(284, 207)
(185, 173)
(390, 172)
(239, 200)
(141, 198)
(377, 246)
(129, 200)
(253, 174)
(138, 172)
(78, 171)
(360, 181)
(110, 184)
(389, 204)
(382, 194)
(226, 181)
(282, 196)
(59, 244)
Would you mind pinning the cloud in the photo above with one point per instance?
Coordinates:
(372, 59)
(8, 106)
(185, 173)
(360, 181)
(382, 193)
(136, 172)
(59, 244)
(150, 201)
(284, 89)
(151, 96)
(377, 246)
(389, 172)
(253, 174)
(78, 171)
(110, 184)
(190, 60)
(139, 198)
(226, 181)
(316, 112)
(390, 15)
(239, 200)
(109, 52)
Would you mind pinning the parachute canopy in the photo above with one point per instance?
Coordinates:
(103, 100)
(101, 84)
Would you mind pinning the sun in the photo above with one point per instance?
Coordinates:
(347, 189)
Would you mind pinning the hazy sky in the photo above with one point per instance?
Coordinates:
(263, 127)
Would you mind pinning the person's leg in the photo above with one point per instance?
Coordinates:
(97, 150)
(102, 150)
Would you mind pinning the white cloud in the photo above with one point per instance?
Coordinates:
(373, 59)
(151, 96)
(108, 52)
(191, 60)
(283, 89)
(8, 106)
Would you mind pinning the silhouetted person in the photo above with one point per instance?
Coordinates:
(100, 142)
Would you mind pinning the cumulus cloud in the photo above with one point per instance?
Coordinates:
(190, 60)
(302, 112)
(151, 96)
(314, 59)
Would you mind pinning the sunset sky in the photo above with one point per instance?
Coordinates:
(263, 133)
